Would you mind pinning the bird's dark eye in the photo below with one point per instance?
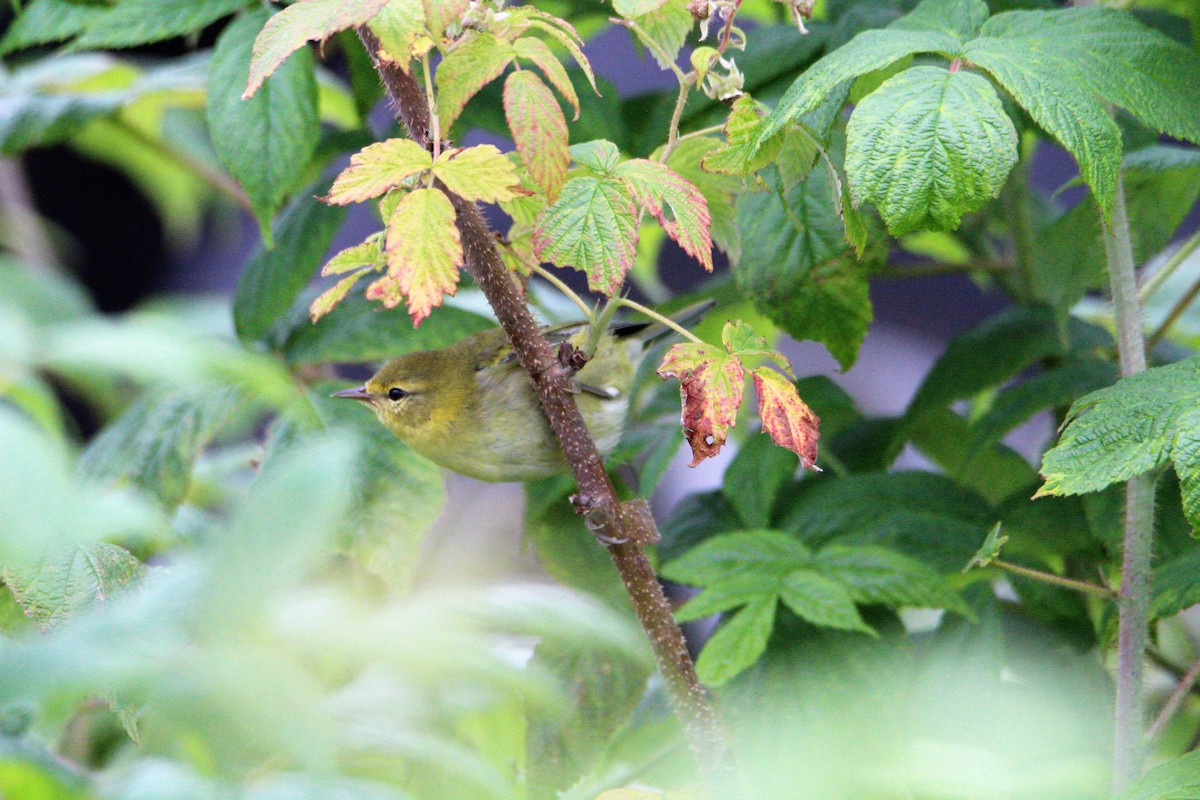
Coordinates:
(395, 393)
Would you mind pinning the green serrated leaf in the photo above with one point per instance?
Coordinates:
(1125, 62)
(922, 515)
(472, 64)
(1141, 422)
(738, 643)
(538, 128)
(440, 14)
(397, 493)
(754, 478)
(878, 575)
(603, 687)
(743, 153)
(698, 518)
(727, 593)
(1174, 586)
(822, 601)
(63, 582)
(599, 155)
(47, 21)
(1046, 85)
(959, 18)
(929, 146)
(869, 51)
(801, 273)
(134, 22)
(367, 254)
(990, 354)
(995, 470)
(1057, 387)
(46, 101)
(274, 278)
(761, 553)
(668, 25)
(301, 22)
(156, 442)
(630, 9)
(591, 227)
(267, 141)
(1177, 779)
(328, 299)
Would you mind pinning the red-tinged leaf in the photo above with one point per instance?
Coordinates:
(539, 130)
(539, 53)
(377, 168)
(367, 254)
(659, 189)
(333, 295)
(424, 250)
(440, 14)
(741, 154)
(479, 173)
(386, 290)
(711, 386)
(305, 21)
(741, 340)
(593, 228)
(398, 26)
(472, 64)
(565, 34)
(788, 420)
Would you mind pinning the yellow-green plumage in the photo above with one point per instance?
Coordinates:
(471, 408)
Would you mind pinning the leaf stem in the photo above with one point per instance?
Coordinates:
(557, 283)
(215, 177)
(683, 137)
(1134, 601)
(1056, 580)
(657, 317)
(685, 88)
(1176, 312)
(1016, 206)
(431, 103)
(1182, 689)
(1168, 268)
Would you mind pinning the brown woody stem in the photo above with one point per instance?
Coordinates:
(597, 500)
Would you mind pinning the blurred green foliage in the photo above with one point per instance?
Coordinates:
(209, 567)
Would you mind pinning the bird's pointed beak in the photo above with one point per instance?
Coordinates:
(358, 393)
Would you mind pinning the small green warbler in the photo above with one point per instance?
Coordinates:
(471, 407)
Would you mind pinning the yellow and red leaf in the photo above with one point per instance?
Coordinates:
(785, 417)
(424, 252)
(712, 382)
